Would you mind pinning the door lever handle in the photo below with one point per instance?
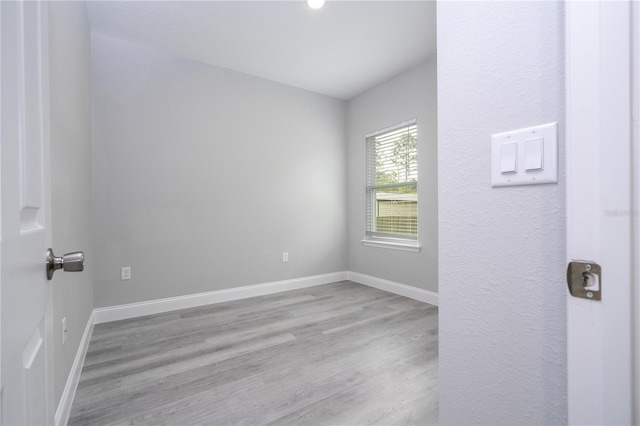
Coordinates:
(70, 262)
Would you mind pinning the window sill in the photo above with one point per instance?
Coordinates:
(410, 246)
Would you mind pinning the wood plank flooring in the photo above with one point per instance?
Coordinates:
(336, 354)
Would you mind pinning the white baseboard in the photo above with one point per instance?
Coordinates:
(396, 288)
(64, 406)
(132, 310)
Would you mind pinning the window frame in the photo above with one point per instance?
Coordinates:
(374, 238)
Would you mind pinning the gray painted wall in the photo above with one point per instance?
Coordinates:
(203, 177)
(411, 94)
(70, 84)
(502, 251)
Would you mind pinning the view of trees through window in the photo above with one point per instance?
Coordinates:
(392, 182)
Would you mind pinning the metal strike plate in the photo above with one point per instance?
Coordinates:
(585, 280)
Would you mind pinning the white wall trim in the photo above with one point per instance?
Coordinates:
(414, 248)
(416, 293)
(132, 310)
(68, 394)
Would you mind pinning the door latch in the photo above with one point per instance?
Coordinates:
(585, 280)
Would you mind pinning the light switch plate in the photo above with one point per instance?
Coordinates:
(548, 173)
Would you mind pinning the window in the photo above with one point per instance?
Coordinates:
(392, 187)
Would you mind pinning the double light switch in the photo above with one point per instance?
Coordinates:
(525, 157)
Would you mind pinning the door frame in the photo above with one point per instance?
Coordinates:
(635, 107)
(600, 215)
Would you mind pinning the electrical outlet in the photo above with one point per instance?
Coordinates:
(285, 257)
(125, 273)
(64, 330)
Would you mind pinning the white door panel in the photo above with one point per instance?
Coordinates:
(25, 222)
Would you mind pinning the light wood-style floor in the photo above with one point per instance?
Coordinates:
(336, 354)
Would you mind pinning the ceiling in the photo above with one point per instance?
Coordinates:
(340, 50)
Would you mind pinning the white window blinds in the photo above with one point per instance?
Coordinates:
(392, 182)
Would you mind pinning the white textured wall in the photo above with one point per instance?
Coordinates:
(70, 83)
(203, 177)
(502, 250)
(411, 94)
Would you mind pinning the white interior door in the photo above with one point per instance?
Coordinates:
(25, 216)
(600, 211)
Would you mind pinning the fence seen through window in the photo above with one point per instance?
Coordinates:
(392, 182)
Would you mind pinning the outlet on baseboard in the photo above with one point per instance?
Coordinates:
(125, 273)
(64, 330)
